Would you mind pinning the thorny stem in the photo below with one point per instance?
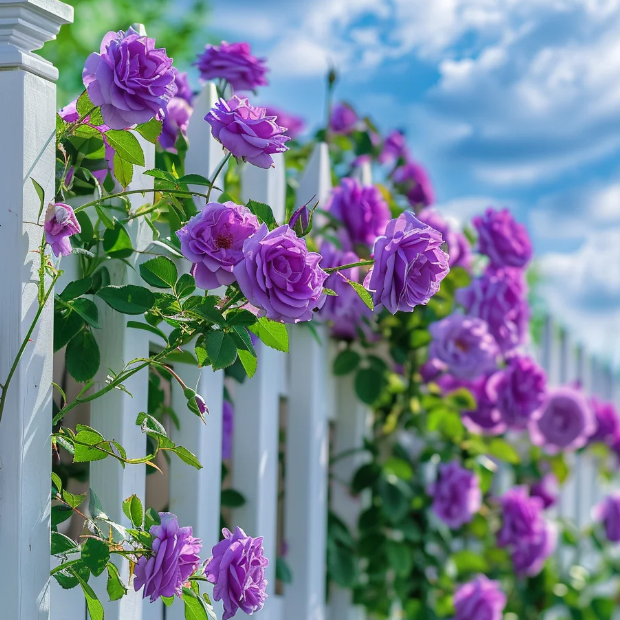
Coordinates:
(362, 263)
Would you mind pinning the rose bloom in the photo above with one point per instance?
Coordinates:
(607, 423)
(565, 423)
(295, 125)
(247, 132)
(130, 79)
(409, 265)
(237, 568)
(548, 489)
(502, 239)
(280, 277)
(529, 556)
(521, 389)
(60, 224)
(361, 209)
(522, 516)
(213, 240)
(480, 599)
(413, 180)
(486, 418)
(175, 558)
(456, 495)
(228, 427)
(464, 345)
(346, 310)
(499, 297)
(234, 63)
(178, 113)
(394, 147)
(459, 249)
(184, 90)
(608, 513)
(343, 119)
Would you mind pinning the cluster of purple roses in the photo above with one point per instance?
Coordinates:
(236, 567)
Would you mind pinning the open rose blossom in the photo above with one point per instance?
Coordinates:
(548, 489)
(521, 389)
(459, 249)
(247, 132)
(486, 418)
(413, 180)
(529, 556)
(480, 599)
(234, 63)
(362, 210)
(175, 558)
(343, 119)
(213, 240)
(409, 265)
(608, 513)
(178, 113)
(237, 568)
(130, 79)
(60, 224)
(502, 239)
(566, 421)
(464, 344)
(295, 125)
(394, 147)
(456, 495)
(607, 422)
(280, 277)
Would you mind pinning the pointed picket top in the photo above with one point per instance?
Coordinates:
(204, 153)
(268, 186)
(316, 182)
(363, 173)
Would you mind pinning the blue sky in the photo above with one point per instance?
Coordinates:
(507, 102)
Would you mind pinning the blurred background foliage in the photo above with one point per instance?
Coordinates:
(181, 30)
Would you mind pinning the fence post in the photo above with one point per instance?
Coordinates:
(27, 134)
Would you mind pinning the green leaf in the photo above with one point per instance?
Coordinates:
(364, 477)
(396, 497)
(84, 105)
(221, 349)
(41, 194)
(75, 289)
(242, 339)
(95, 608)
(147, 328)
(60, 514)
(126, 145)
(187, 457)
(241, 317)
(66, 325)
(128, 299)
(159, 272)
(115, 587)
(132, 507)
(95, 555)
(232, 499)
(248, 361)
(150, 131)
(96, 118)
(364, 295)
(346, 361)
(56, 482)
(462, 399)
(84, 442)
(62, 543)
(194, 607)
(82, 356)
(151, 518)
(273, 334)
(106, 220)
(263, 212)
(87, 310)
(73, 500)
(117, 242)
(419, 338)
(399, 467)
(196, 179)
(283, 571)
(123, 171)
(469, 562)
(400, 557)
(447, 421)
(342, 565)
(368, 384)
(503, 451)
(185, 285)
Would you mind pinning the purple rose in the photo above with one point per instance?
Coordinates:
(60, 224)
(361, 209)
(607, 423)
(343, 119)
(130, 79)
(480, 599)
(394, 147)
(347, 310)
(456, 495)
(176, 120)
(548, 489)
(409, 265)
(237, 568)
(529, 556)
(566, 421)
(247, 132)
(413, 181)
(234, 63)
(184, 90)
(213, 240)
(464, 344)
(502, 239)
(280, 277)
(499, 297)
(486, 418)
(228, 426)
(520, 389)
(295, 125)
(608, 513)
(459, 249)
(69, 113)
(175, 558)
